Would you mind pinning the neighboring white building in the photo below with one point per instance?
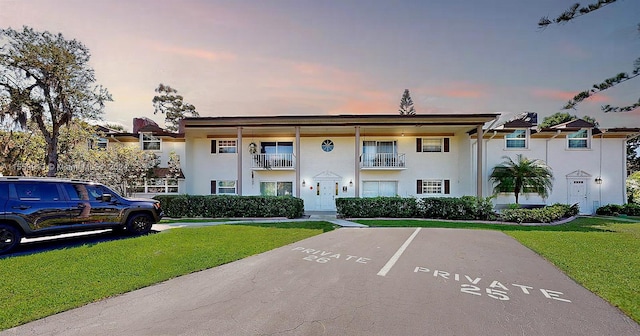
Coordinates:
(321, 158)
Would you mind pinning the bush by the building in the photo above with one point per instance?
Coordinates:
(630, 209)
(217, 206)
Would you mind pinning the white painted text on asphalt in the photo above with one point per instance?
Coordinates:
(321, 256)
(496, 289)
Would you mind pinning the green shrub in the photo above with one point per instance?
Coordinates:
(547, 214)
(393, 207)
(630, 209)
(216, 206)
(610, 210)
(466, 207)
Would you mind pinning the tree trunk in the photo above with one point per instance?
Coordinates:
(52, 156)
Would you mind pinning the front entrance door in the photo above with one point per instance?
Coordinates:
(328, 191)
(578, 194)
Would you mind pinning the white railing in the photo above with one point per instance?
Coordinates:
(273, 161)
(382, 160)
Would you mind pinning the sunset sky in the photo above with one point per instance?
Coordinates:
(301, 57)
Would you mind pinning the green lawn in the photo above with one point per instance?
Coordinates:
(42, 284)
(601, 254)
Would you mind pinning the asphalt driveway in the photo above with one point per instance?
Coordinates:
(376, 281)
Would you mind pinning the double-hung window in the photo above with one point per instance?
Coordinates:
(276, 188)
(223, 187)
(223, 146)
(379, 188)
(432, 145)
(150, 142)
(578, 140)
(433, 186)
(517, 139)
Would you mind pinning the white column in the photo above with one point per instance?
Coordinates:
(297, 154)
(356, 181)
(239, 163)
(479, 174)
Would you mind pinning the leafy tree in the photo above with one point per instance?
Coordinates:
(171, 104)
(572, 13)
(524, 175)
(563, 117)
(406, 104)
(47, 79)
(120, 166)
(21, 151)
(633, 188)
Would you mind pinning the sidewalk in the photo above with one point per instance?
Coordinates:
(310, 216)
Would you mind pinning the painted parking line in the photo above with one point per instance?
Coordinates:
(387, 267)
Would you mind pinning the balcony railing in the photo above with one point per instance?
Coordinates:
(273, 161)
(382, 161)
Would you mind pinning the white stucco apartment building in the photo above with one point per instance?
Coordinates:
(321, 158)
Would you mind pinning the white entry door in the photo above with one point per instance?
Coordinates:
(328, 195)
(578, 194)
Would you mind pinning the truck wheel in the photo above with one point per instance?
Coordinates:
(139, 224)
(9, 238)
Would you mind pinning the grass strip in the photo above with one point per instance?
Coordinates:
(42, 284)
(601, 254)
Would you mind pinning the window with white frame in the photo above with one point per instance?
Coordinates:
(578, 140)
(276, 188)
(150, 142)
(379, 188)
(155, 186)
(517, 139)
(432, 145)
(433, 186)
(224, 187)
(223, 146)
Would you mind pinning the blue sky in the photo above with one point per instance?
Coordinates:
(300, 57)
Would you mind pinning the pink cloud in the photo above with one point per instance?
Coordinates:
(194, 52)
(566, 95)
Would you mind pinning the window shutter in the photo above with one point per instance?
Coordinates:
(213, 147)
(213, 185)
(446, 145)
(447, 187)
(418, 145)
(419, 187)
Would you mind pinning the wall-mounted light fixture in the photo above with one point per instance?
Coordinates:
(351, 183)
(304, 184)
(598, 180)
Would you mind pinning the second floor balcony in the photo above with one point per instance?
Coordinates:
(284, 161)
(382, 161)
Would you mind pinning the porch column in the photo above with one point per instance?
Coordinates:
(297, 153)
(357, 163)
(239, 163)
(479, 174)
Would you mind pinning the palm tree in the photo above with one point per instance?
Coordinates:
(525, 175)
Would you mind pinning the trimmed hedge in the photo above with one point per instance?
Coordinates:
(630, 209)
(466, 207)
(547, 214)
(216, 206)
